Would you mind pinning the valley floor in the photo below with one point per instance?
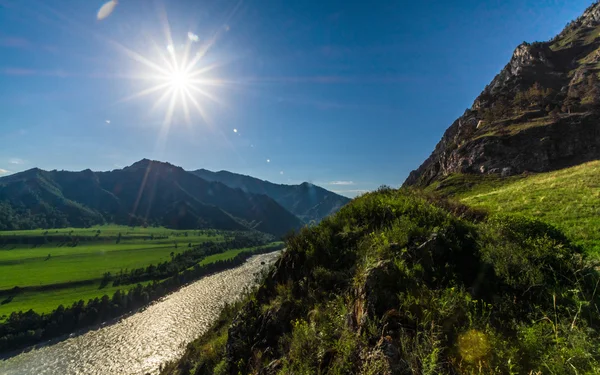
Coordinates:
(63, 266)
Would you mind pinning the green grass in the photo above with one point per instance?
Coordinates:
(109, 231)
(47, 301)
(584, 37)
(24, 253)
(78, 266)
(568, 198)
(402, 281)
(54, 262)
(96, 252)
(512, 126)
(231, 254)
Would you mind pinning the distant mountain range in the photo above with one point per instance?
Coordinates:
(307, 201)
(156, 193)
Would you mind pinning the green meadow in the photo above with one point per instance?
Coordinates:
(70, 263)
(27, 265)
(568, 198)
(48, 300)
(225, 255)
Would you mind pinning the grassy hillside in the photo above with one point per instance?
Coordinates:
(401, 283)
(568, 198)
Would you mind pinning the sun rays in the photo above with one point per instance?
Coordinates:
(181, 82)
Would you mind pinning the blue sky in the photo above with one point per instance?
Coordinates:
(349, 95)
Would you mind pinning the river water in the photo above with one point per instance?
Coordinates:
(142, 342)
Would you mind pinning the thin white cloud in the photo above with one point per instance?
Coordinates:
(106, 10)
(108, 121)
(341, 183)
(3, 171)
(281, 172)
(193, 37)
(351, 193)
(16, 161)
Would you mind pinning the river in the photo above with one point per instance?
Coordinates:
(142, 342)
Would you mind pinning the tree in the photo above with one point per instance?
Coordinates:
(105, 279)
(592, 81)
(571, 103)
(593, 91)
(520, 100)
(555, 114)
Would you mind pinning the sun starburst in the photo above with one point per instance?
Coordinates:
(183, 83)
(179, 77)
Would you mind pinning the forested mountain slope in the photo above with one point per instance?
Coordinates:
(307, 201)
(145, 193)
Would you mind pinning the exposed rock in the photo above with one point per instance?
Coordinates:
(506, 172)
(571, 141)
(272, 368)
(591, 17)
(384, 359)
(377, 295)
(510, 145)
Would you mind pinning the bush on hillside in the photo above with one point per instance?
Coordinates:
(396, 284)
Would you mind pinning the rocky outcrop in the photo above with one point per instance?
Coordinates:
(570, 141)
(528, 64)
(512, 144)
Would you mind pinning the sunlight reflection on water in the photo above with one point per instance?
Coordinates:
(139, 344)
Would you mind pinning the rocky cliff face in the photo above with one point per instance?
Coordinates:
(540, 113)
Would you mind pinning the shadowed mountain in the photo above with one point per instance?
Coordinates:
(147, 192)
(540, 113)
(307, 201)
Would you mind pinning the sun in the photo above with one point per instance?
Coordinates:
(179, 80)
(179, 76)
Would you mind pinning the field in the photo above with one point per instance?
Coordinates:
(46, 301)
(62, 266)
(568, 198)
(223, 256)
(27, 265)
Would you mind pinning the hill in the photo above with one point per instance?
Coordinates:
(145, 193)
(397, 283)
(307, 201)
(568, 198)
(540, 113)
